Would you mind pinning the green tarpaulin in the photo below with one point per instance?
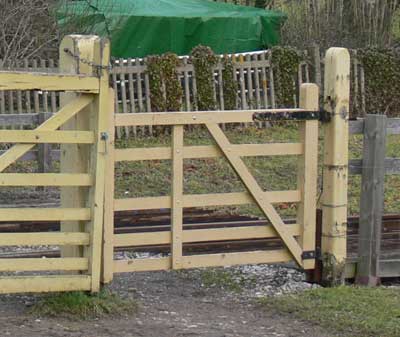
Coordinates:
(143, 27)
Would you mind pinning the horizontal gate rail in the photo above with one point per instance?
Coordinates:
(202, 235)
(48, 264)
(45, 179)
(37, 137)
(206, 260)
(39, 239)
(209, 151)
(204, 200)
(10, 80)
(44, 214)
(52, 283)
(196, 117)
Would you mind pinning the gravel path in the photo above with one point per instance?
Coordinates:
(218, 302)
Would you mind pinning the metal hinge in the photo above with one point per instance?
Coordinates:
(302, 115)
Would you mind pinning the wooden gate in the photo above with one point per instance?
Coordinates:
(86, 101)
(298, 239)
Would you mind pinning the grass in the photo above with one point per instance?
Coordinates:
(80, 305)
(153, 178)
(351, 311)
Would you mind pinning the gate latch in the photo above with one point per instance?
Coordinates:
(309, 255)
(104, 137)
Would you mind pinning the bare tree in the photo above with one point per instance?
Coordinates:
(27, 28)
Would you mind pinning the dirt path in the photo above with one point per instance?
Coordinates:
(172, 304)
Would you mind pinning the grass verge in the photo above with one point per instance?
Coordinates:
(81, 305)
(351, 311)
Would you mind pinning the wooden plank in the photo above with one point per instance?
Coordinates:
(201, 235)
(48, 264)
(209, 151)
(42, 284)
(131, 95)
(372, 199)
(389, 268)
(335, 176)
(393, 126)
(198, 117)
(37, 137)
(74, 158)
(36, 239)
(108, 229)
(206, 260)
(19, 119)
(182, 118)
(177, 196)
(231, 259)
(44, 214)
(392, 166)
(98, 162)
(256, 192)
(45, 179)
(204, 200)
(53, 123)
(308, 172)
(46, 81)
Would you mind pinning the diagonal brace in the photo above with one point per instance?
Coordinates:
(256, 192)
(53, 123)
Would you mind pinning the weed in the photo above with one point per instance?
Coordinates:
(82, 305)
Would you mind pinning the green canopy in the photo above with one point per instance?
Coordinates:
(139, 28)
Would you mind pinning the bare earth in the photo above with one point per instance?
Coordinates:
(172, 304)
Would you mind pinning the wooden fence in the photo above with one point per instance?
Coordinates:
(254, 74)
(372, 262)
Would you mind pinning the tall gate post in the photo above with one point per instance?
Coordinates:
(87, 55)
(335, 175)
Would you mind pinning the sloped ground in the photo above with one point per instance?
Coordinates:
(212, 303)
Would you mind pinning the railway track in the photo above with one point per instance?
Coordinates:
(159, 220)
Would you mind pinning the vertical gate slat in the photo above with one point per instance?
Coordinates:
(308, 171)
(131, 93)
(139, 90)
(27, 93)
(264, 82)
(123, 92)
(177, 196)
(186, 84)
(53, 95)
(36, 103)
(116, 102)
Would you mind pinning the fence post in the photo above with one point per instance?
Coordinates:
(372, 199)
(87, 55)
(335, 175)
(44, 150)
(308, 171)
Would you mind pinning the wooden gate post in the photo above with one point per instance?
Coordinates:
(372, 200)
(308, 171)
(87, 55)
(335, 175)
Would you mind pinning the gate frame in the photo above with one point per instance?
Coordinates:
(303, 252)
(92, 101)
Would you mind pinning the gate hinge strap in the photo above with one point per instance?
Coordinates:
(301, 115)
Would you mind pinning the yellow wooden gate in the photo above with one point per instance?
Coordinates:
(86, 100)
(298, 239)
